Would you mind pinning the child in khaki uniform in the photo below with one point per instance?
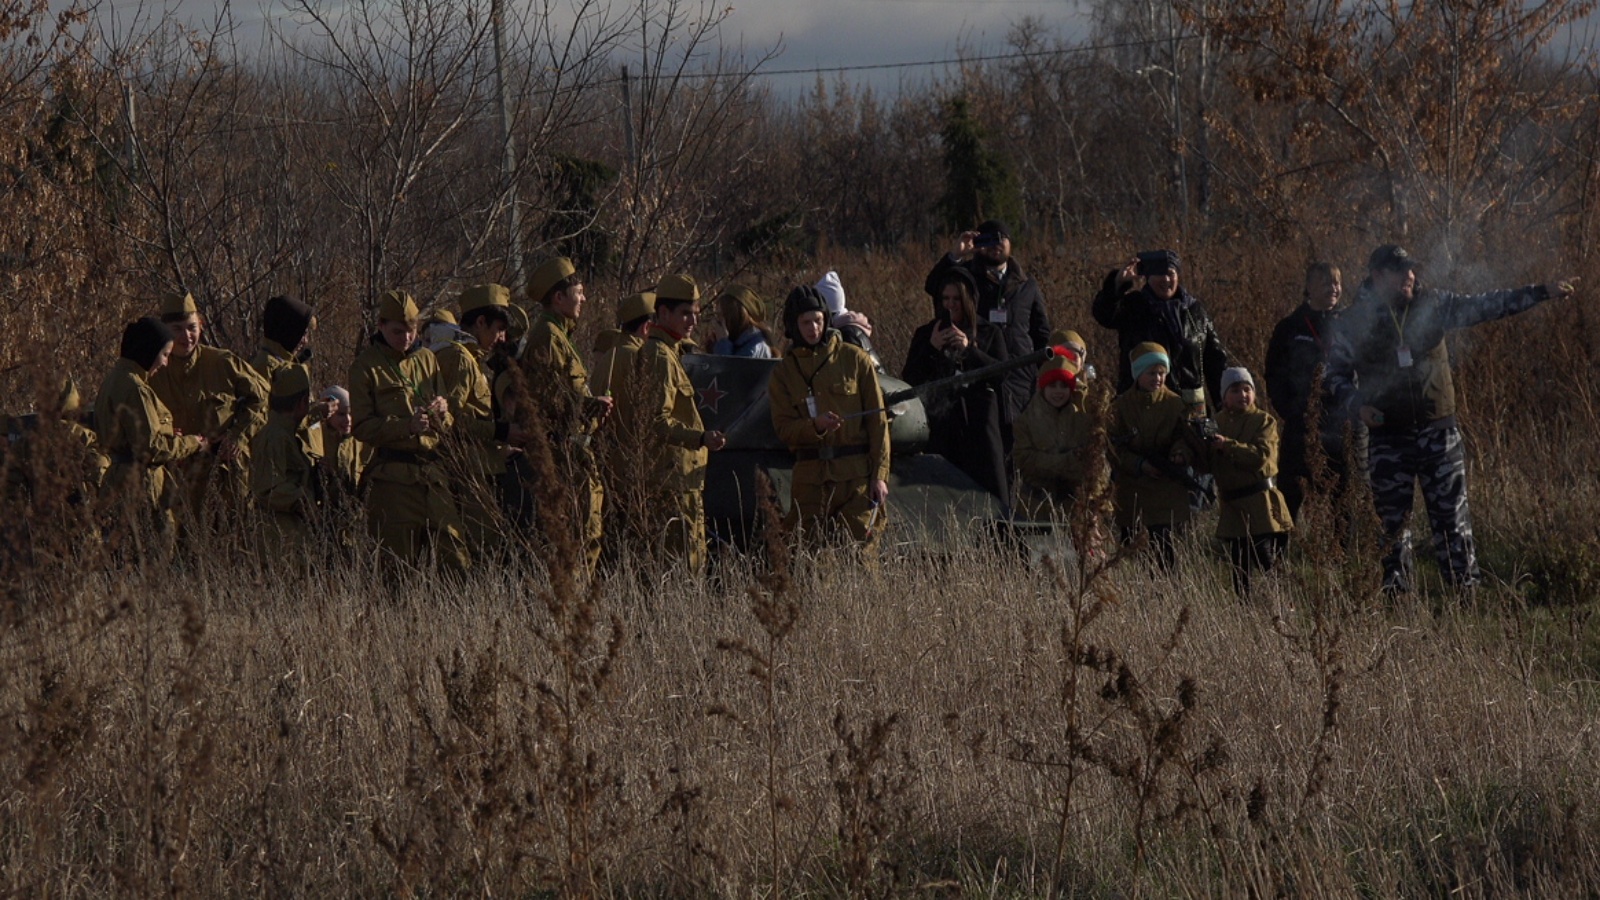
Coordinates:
(1149, 429)
(1254, 521)
(282, 474)
(1051, 438)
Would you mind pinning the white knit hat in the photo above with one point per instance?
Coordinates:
(832, 291)
(1233, 376)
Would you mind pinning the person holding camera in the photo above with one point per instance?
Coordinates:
(1161, 312)
(964, 425)
(1006, 298)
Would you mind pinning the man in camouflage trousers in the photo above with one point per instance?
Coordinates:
(1389, 366)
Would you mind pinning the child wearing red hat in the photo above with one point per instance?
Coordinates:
(1052, 438)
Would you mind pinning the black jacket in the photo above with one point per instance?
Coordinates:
(964, 425)
(1026, 326)
(1296, 354)
(1181, 325)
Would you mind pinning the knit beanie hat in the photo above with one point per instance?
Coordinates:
(803, 299)
(832, 291)
(142, 341)
(1062, 368)
(285, 322)
(1146, 355)
(336, 393)
(1233, 376)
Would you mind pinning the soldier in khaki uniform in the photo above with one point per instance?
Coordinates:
(481, 437)
(136, 431)
(827, 406)
(506, 382)
(286, 328)
(1253, 520)
(282, 471)
(559, 380)
(619, 347)
(668, 410)
(402, 414)
(209, 392)
(1052, 439)
(1149, 422)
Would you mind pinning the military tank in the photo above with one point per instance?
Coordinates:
(931, 502)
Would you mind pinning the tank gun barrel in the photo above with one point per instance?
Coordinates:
(962, 379)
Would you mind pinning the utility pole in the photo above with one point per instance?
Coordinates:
(627, 124)
(508, 160)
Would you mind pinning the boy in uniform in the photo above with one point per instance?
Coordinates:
(1151, 443)
(668, 408)
(1254, 520)
(282, 472)
(400, 412)
(1053, 435)
(209, 392)
(827, 406)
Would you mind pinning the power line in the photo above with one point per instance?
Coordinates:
(962, 60)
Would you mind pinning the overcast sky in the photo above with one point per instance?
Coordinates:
(811, 33)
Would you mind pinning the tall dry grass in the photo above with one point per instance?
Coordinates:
(220, 724)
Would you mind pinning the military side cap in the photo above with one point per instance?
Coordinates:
(290, 381)
(443, 314)
(517, 323)
(750, 300)
(549, 274)
(176, 306)
(481, 295)
(635, 306)
(1067, 337)
(677, 289)
(398, 306)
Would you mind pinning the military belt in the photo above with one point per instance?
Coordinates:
(411, 457)
(1265, 484)
(827, 453)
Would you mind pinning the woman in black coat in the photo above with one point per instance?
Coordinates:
(964, 424)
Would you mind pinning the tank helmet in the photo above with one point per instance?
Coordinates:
(803, 299)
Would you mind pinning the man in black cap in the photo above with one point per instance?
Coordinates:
(1007, 298)
(1160, 311)
(1388, 366)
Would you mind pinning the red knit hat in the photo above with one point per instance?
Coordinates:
(1063, 367)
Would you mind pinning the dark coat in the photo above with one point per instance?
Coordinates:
(1364, 360)
(1025, 325)
(1181, 325)
(1297, 353)
(964, 425)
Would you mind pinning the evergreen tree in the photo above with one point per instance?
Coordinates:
(979, 182)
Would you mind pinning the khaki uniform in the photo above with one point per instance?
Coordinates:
(1250, 505)
(556, 374)
(832, 473)
(212, 393)
(269, 358)
(1051, 448)
(1148, 425)
(407, 493)
(136, 434)
(283, 480)
(478, 459)
(618, 351)
(669, 413)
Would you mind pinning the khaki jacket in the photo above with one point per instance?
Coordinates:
(843, 380)
(1243, 465)
(136, 433)
(557, 374)
(466, 386)
(668, 408)
(618, 350)
(269, 358)
(281, 469)
(1050, 447)
(213, 393)
(385, 390)
(1149, 425)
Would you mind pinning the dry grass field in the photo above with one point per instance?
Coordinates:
(966, 724)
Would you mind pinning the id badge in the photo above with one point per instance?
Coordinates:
(1403, 357)
(998, 316)
(811, 405)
